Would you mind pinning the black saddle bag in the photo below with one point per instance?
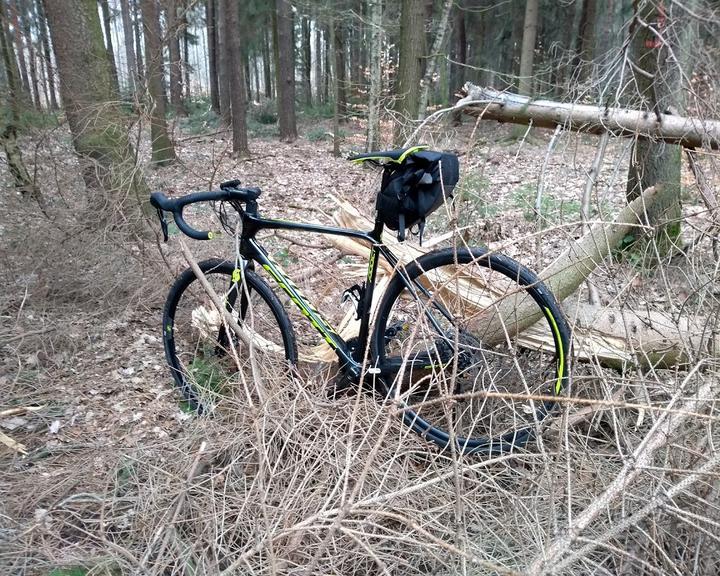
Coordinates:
(415, 189)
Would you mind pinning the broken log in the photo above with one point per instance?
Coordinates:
(490, 104)
(614, 337)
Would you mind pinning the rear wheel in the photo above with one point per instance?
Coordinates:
(454, 357)
(206, 364)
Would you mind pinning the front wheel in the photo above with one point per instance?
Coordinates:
(210, 363)
(451, 343)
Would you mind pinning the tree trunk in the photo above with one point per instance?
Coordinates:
(138, 40)
(163, 151)
(224, 71)
(285, 70)
(26, 94)
(109, 45)
(336, 91)
(527, 52)
(100, 137)
(129, 47)
(657, 81)
(23, 183)
(237, 80)
(340, 76)
(584, 53)
(327, 76)
(175, 64)
(256, 76)
(412, 52)
(185, 57)
(354, 35)
(376, 22)
(211, 23)
(457, 71)
(506, 107)
(267, 72)
(318, 63)
(615, 336)
(25, 21)
(247, 79)
(306, 61)
(510, 49)
(45, 42)
(431, 64)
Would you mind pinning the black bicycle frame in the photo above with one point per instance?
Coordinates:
(251, 250)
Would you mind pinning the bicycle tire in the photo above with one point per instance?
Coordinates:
(463, 291)
(196, 344)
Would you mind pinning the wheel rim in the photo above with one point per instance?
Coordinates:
(483, 395)
(210, 368)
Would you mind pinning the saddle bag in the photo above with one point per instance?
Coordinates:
(415, 188)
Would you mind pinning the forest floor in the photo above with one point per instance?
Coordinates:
(80, 339)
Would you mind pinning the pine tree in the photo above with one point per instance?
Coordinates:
(99, 133)
(163, 151)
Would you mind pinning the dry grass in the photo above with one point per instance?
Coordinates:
(627, 483)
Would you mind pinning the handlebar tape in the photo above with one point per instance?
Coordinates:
(176, 205)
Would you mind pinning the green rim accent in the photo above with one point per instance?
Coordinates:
(400, 160)
(236, 275)
(561, 359)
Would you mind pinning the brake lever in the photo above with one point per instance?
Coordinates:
(163, 224)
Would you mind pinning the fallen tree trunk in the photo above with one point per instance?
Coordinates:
(490, 104)
(612, 336)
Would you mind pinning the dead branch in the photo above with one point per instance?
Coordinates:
(656, 438)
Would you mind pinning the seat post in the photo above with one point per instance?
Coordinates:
(378, 229)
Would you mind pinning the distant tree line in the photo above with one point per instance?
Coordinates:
(387, 62)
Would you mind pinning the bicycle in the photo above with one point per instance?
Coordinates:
(442, 346)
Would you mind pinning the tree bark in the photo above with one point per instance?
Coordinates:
(285, 70)
(45, 42)
(584, 53)
(109, 45)
(100, 136)
(256, 77)
(185, 56)
(129, 45)
(223, 63)
(327, 67)
(237, 80)
(457, 71)
(175, 64)
(657, 81)
(340, 76)
(139, 51)
(267, 50)
(506, 107)
(318, 63)
(376, 22)
(336, 92)
(25, 21)
(23, 183)
(20, 50)
(527, 52)
(412, 51)
(211, 26)
(163, 151)
(247, 78)
(306, 61)
(431, 64)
